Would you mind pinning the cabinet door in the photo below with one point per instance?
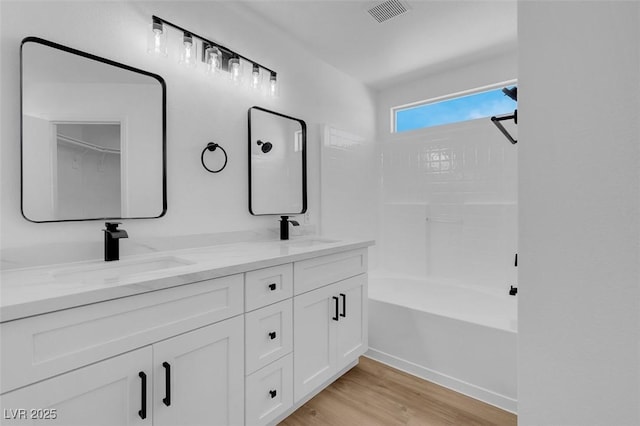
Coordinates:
(314, 339)
(199, 376)
(352, 327)
(109, 392)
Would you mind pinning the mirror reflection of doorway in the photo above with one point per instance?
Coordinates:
(87, 171)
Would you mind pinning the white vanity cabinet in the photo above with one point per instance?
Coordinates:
(330, 332)
(105, 393)
(199, 376)
(90, 363)
(243, 349)
(325, 318)
(268, 342)
(181, 380)
(330, 321)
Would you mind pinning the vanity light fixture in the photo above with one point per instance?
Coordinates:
(157, 38)
(235, 70)
(255, 77)
(273, 85)
(216, 57)
(213, 59)
(188, 51)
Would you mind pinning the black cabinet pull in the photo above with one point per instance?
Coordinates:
(272, 335)
(344, 305)
(272, 286)
(335, 318)
(273, 393)
(167, 384)
(143, 403)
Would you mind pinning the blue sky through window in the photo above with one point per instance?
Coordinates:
(478, 105)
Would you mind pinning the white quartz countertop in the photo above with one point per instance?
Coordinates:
(34, 291)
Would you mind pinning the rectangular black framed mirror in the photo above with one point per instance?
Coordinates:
(93, 137)
(277, 163)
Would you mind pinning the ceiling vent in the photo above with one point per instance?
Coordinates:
(388, 9)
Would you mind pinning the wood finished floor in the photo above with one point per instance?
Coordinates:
(373, 394)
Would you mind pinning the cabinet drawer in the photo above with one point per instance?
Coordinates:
(268, 334)
(317, 272)
(269, 392)
(45, 345)
(268, 285)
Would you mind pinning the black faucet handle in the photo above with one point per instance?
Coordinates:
(112, 226)
(287, 220)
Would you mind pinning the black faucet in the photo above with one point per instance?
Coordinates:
(284, 227)
(112, 237)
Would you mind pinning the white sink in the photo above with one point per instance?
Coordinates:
(117, 270)
(309, 243)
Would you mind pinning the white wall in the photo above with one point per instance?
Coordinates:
(350, 187)
(579, 159)
(198, 111)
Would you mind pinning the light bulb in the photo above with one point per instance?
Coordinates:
(212, 58)
(234, 70)
(273, 85)
(157, 39)
(255, 77)
(188, 52)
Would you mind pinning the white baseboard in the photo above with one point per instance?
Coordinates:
(501, 401)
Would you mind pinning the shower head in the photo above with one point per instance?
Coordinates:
(266, 146)
(512, 93)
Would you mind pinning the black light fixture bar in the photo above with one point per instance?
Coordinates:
(228, 53)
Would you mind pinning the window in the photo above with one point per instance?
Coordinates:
(452, 110)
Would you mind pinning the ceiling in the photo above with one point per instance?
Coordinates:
(430, 35)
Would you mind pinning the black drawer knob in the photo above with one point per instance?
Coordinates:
(272, 286)
(273, 393)
(272, 335)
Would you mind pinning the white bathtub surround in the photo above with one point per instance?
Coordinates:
(162, 338)
(439, 303)
(450, 205)
(458, 336)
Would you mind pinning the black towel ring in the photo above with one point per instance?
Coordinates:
(211, 146)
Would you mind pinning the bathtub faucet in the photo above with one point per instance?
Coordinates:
(514, 290)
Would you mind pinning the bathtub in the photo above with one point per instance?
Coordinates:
(459, 336)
